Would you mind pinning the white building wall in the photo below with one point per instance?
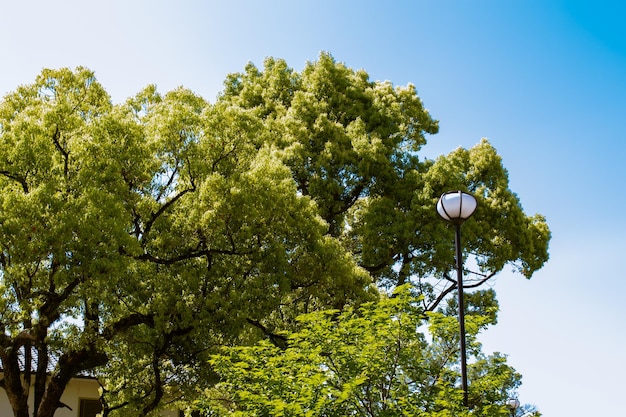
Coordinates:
(5, 407)
(76, 390)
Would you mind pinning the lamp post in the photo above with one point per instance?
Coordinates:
(513, 404)
(456, 207)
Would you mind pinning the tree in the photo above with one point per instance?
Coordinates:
(371, 361)
(137, 236)
(136, 239)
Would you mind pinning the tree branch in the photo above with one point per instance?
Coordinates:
(56, 140)
(481, 282)
(126, 323)
(162, 209)
(453, 287)
(441, 296)
(277, 340)
(20, 180)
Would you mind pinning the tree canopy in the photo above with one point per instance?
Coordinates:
(353, 144)
(138, 238)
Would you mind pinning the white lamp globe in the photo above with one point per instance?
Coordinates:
(456, 206)
(513, 403)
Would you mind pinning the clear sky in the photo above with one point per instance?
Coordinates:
(544, 80)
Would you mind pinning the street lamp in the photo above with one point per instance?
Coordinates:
(513, 404)
(456, 207)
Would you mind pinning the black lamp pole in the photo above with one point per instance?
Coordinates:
(456, 207)
(459, 280)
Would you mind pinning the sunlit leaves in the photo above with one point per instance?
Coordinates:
(352, 145)
(341, 133)
(151, 231)
(500, 232)
(374, 361)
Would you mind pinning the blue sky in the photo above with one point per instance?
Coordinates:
(544, 80)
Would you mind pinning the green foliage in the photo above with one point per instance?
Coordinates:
(136, 239)
(352, 145)
(370, 361)
(500, 232)
(146, 233)
(343, 136)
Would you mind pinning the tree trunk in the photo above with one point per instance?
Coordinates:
(51, 399)
(12, 384)
(42, 374)
(19, 404)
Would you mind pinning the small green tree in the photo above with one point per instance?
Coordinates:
(371, 361)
